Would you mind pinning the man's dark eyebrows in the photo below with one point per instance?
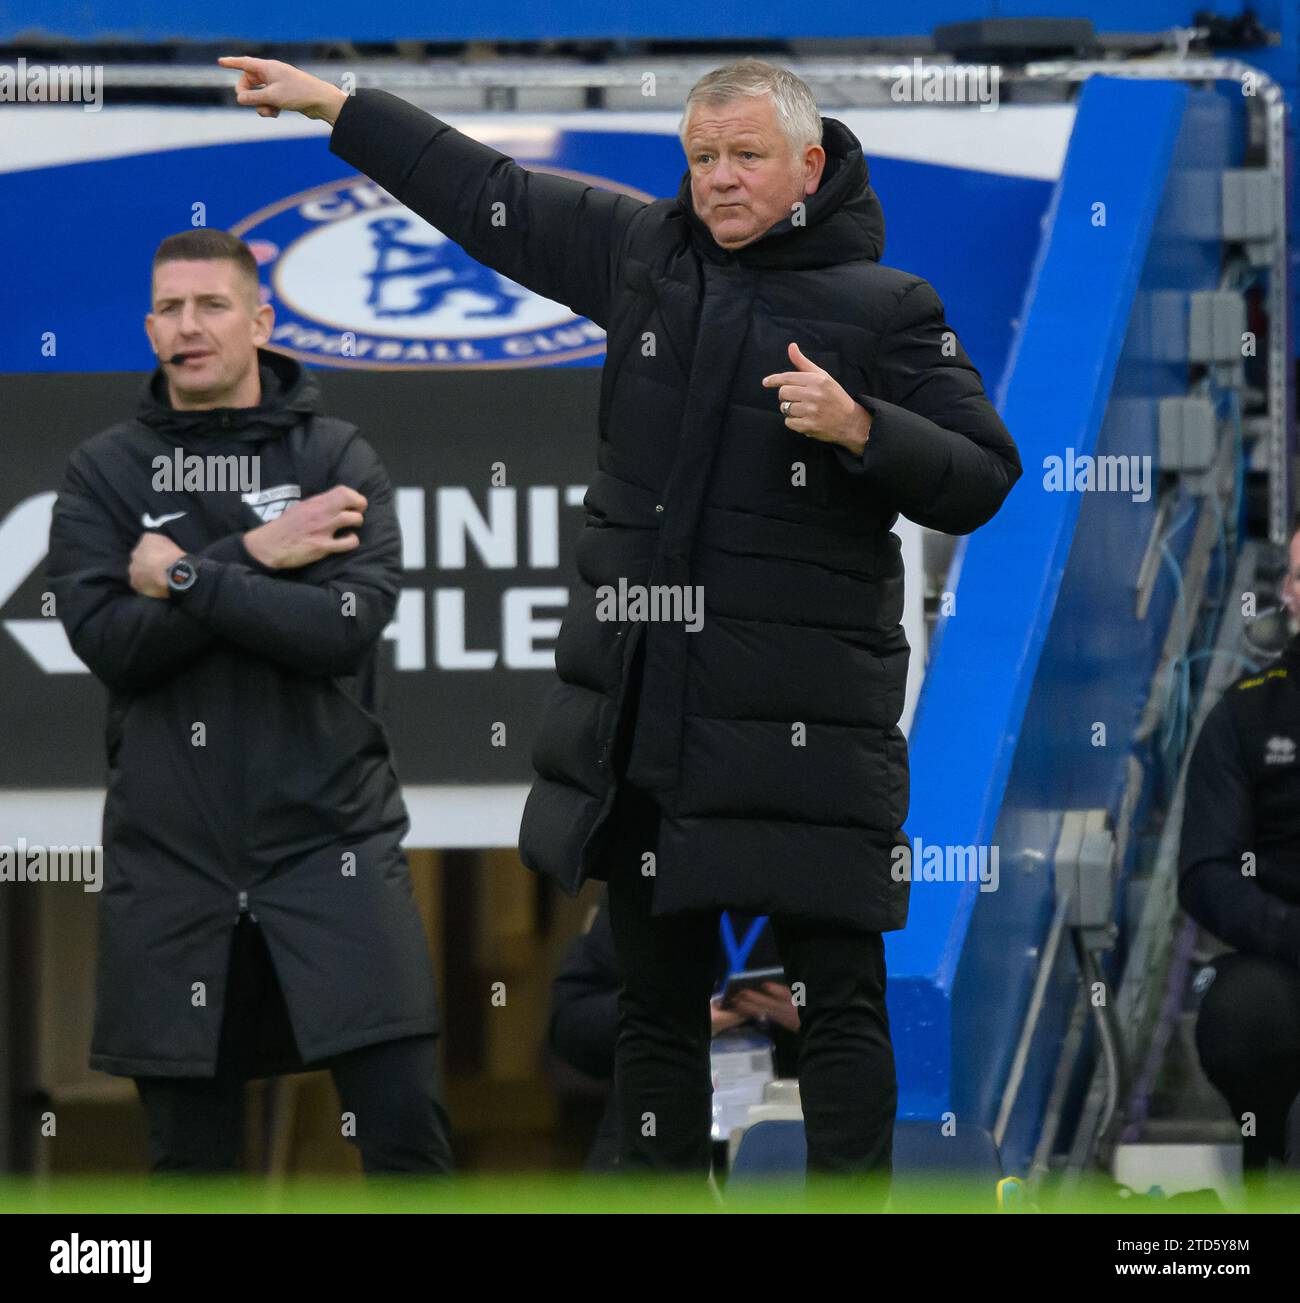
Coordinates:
(176, 298)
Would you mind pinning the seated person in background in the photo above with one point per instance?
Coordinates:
(584, 1013)
(1239, 878)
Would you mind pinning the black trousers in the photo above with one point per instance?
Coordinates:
(1248, 1041)
(662, 1071)
(391, 1089)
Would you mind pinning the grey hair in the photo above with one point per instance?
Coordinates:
(796, 109)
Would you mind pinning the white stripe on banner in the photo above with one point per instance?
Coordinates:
(1016, 140)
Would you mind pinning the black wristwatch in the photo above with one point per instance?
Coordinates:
(181, 574)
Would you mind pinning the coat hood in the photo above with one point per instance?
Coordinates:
(289, 393)
(844, 220)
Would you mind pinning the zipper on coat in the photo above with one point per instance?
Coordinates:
(243, 906)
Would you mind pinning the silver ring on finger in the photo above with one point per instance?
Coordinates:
(785, 407)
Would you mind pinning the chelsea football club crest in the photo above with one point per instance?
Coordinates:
(358, 280)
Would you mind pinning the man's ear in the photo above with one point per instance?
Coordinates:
(265, 321)
(814, 164)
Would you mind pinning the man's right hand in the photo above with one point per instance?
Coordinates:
(721, 1020)
(272, 86)
(305, 531)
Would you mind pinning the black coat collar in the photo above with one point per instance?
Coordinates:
(289, 393)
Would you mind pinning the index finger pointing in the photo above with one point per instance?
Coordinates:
(254, 70)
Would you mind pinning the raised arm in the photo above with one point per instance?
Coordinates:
(555, 235)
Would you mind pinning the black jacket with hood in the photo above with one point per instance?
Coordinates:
(769, 736)
(247, 770)
(1239, 851)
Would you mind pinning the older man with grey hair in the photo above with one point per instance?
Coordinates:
(772, 400)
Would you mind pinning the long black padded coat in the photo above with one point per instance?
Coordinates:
(769, 737)
(290, 810)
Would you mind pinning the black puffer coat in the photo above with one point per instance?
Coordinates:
(770, 736)
(290, 811)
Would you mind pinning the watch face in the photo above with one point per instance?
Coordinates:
(181, 576)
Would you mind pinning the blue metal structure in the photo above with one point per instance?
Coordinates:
(1044, 642)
